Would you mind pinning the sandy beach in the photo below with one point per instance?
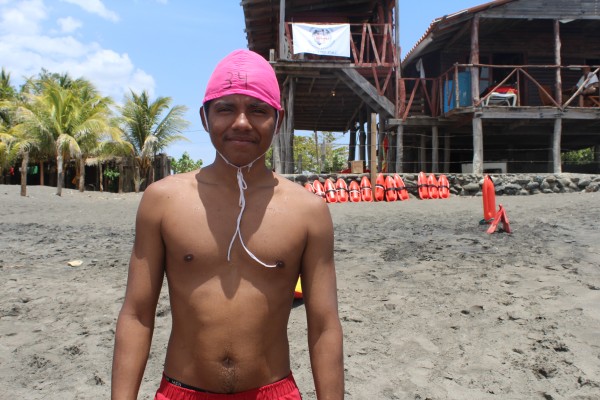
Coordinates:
(432, 306)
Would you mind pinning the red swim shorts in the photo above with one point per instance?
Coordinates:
(284, 389)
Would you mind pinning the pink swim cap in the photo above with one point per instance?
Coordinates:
(244, 72)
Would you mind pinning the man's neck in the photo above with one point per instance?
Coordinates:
(227, 172)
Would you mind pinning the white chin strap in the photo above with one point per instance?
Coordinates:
(238, 233)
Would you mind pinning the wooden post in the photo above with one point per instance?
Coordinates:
(277, 164)
(352, 145)
(317, 152)
(400, 149)
(477, 145)
(372, 151)
(379, 146)
(477, 123)
(423, 154)
(447, 153)
(369, 140)
(362, 139)
(475, 59)
(558, 62)
(434, 149)
(282, 52)
(392, 152)
(288, 138)
(556, 146)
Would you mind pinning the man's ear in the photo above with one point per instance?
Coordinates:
(280, 116)
(204, 118)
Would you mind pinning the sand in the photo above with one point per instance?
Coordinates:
(431, 305)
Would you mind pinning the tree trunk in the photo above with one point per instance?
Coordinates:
(136, 177)
(60, 175)
(100, 184)
(151, 174)
(81, 174)
(41, 173)
(121, 176)
(24, 164)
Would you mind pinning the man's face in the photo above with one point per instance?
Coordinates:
(241, 127)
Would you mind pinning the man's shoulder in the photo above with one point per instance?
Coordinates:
(303, 198)
(172, 184)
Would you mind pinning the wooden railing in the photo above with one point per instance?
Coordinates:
(436, 96)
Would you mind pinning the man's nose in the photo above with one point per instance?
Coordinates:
(241, 120)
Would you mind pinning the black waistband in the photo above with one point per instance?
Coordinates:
(183, 385)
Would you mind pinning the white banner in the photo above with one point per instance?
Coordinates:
(325, 40)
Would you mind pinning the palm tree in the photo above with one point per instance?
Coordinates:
(18, 144)
(7, 95)
(70, 115)
(150, 127)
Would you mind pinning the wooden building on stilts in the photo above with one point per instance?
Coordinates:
(328, 93)
(429, 113)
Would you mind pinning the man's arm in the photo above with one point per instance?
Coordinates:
(135, 324)
(319, 289)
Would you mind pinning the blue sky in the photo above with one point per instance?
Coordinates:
(166, 47)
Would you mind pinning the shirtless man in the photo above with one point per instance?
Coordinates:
(232, 240)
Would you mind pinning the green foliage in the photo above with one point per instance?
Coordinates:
(111, 174)
(185, 164)
(579, 156)
(327, 158)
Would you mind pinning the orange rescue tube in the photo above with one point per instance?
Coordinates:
(342, 190)
(298, 289)
(444, 186)
(354, 192)
(309, 187)
(489, 199)
(330, 192)
(400, 187)
(390, 189)
(319, 189)
(422, 186)
(366, 190)
(432, 187)
(380, 187)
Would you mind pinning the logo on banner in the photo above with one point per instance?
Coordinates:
(322, 37)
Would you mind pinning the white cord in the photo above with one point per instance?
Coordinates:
(242, 203)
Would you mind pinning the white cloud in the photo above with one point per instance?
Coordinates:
(95, 7)
(22, 17)
(69, 24)
(25, 49)
(114, 74)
